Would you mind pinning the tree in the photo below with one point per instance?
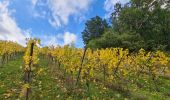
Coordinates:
(94, 28)
(137, 24)
(148, 18)
(110, 38)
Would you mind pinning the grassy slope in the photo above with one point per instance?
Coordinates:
(11, 79)
(50, 85)
(11, 82)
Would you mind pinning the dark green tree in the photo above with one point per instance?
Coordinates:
(110, 38)
(148, 18)
(137, 24)
(94, 28)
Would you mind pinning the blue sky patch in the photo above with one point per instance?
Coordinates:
(55, 22)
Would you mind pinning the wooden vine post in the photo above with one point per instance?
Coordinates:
(28, 72)
(81, 66)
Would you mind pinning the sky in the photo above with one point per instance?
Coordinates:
(55, 22)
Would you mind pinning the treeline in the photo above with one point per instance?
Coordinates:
(134, 25)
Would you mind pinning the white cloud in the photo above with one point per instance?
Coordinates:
(61, 10)
(34, 2)
(58, 39)
(9, 29)
(69, 38)
(109, 5)
(49, 40)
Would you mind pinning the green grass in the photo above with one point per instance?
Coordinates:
(52, 84)
(11, 79)
(43, 87)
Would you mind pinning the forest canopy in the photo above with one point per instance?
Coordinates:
(134, 25)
